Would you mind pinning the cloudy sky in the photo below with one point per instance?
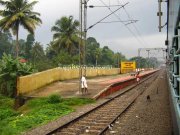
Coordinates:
(119, 37)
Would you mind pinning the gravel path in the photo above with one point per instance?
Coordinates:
(147, 117)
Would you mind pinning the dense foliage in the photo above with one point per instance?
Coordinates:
(10, 69)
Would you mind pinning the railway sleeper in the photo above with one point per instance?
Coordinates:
(91, 132)
(98, 127)
(70, 130)
(86, 121)
(64, 133)
(103, 121)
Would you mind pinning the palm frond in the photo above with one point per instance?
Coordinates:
(66, 32)
(30, 5)
(28, 25)
(56, 36)
(2, 2)
(35, 13)
(55, 29)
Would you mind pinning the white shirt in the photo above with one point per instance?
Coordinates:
(83, 82)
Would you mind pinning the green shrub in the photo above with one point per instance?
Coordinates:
(6, 113)
(53, 99)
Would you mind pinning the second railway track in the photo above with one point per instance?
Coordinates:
(100, 118)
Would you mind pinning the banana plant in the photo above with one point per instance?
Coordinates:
(10, 69)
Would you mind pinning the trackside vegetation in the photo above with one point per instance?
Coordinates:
(35, 112)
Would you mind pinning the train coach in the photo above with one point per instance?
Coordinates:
(173, 60)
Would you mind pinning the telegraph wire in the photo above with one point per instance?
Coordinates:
(138, 32)
(112, 12)
(129, 21)
(123, 23)
(91, 6)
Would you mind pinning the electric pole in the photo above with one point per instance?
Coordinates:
(83, 36)
(159, 14)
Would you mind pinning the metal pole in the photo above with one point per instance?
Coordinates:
(85, 34)
(159, 1)
(80, 44)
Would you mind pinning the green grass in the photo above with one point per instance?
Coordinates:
(35, 112)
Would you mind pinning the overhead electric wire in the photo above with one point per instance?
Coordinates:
(129, 21)
(92, 6)
(106, 16)
(124, 24)
(138, 32)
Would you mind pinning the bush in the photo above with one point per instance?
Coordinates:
(10, 69)
(53, 99)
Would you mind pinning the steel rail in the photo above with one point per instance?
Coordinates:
(107, 127)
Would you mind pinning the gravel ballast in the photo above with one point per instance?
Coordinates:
(147, 117)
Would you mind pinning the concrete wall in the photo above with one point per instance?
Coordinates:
(29, 83)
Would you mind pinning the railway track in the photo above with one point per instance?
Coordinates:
(101, 118)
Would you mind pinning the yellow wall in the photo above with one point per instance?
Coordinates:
(32, 82)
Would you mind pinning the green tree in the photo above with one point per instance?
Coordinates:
(29, 44)
(37, 52)
(66, 34)
(22, 48)
(39, 59)
(93, 51)
(10, 69)
(64, 58)
(51, 52)
(98, 53)
(118, 57)
(5, 43)
(16, 13)
(107, 56)
(140, 62)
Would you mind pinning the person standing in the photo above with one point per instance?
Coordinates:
(137, 77)
(84, 87)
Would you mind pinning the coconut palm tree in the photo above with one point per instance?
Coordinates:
(66, 34)
(18, 13)
(37, 52)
